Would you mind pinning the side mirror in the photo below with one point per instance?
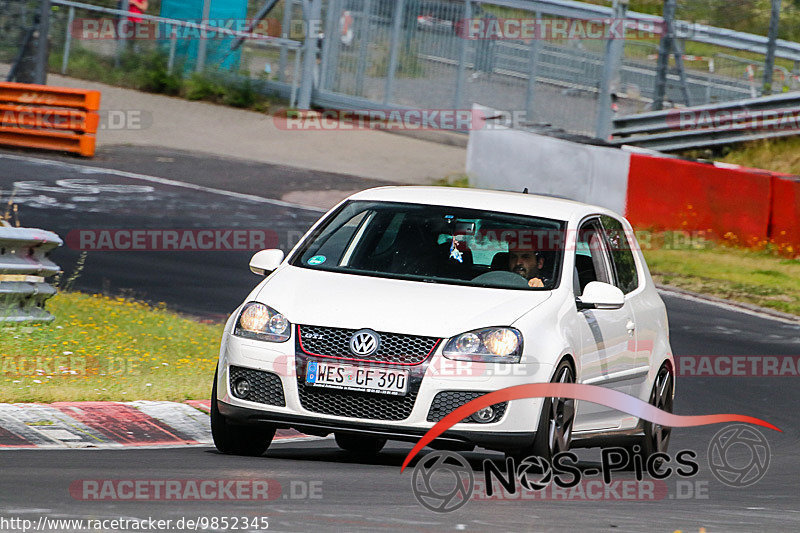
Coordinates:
(266, 261)
(599, 295)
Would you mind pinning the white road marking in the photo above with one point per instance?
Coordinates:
(730, 306)
(83, 169)
(305, 438)
(60, 434)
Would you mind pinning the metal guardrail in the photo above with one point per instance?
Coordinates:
(24, 269)
(686, 30)
(711, 125)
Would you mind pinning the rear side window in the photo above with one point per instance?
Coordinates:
(620, 247)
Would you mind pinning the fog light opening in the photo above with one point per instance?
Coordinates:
(241, 387)
(485, 415)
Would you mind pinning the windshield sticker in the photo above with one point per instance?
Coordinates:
(317, 260)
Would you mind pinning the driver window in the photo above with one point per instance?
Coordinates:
(591, 259)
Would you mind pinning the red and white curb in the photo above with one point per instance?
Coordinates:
(111, 425)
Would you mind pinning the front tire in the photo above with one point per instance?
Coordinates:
(231, 439)
(554, 433)
(361, 446)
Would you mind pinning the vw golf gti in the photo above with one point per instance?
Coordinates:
(403, 303)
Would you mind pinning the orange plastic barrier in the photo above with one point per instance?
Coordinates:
(672, 194)
(48, 140)
(49, 118)
(25, 93)
(785, 221)
(57, 119)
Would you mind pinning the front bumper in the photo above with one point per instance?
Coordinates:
(514, 429)
(317, 426)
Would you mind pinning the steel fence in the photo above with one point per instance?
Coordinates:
(420, 54)
(84, 39)
(547, 79)
(24, 269)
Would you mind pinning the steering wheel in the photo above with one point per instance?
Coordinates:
(502, 277)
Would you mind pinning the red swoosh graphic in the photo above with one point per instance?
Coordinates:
(590, 393)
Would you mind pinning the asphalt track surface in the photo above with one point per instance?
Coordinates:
(356, 495)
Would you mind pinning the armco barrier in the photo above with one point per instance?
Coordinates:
(24, 267)
(49, 118)
(785, 221)
(673, 194)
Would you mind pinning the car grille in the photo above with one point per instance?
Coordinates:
(265, 387)
(354, 404)
(395, 348)
(446, 402)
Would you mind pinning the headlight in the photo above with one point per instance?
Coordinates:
(490, 345)
(258, 321)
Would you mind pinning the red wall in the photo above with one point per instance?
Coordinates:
(785, 223)
(672, 194)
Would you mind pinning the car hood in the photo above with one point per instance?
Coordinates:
(320, 298)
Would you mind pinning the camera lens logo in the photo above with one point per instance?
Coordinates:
(534, 473)
(442, 481)
(739, 455)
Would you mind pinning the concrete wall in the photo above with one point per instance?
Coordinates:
(511, 160)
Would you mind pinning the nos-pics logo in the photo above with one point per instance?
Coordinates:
(443, 481)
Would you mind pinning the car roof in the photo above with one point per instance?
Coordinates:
(500, 201)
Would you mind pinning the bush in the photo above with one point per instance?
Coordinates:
(87, 65)
(147, 71)
(240, 93)
(203, 87)
(152, 75)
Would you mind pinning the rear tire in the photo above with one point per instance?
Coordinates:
(554, 433)
(231, 439)
(359, 445)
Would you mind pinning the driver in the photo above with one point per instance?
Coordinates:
(528, 264)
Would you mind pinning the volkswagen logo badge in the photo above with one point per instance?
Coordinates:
(365, 342)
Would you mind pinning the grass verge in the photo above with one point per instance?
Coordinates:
(777, 155)
(101, 348)
(741, 275)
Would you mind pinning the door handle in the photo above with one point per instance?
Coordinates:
(631, 326)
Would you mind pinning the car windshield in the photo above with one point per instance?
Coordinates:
(437, 244)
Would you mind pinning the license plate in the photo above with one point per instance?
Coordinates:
(352, 377)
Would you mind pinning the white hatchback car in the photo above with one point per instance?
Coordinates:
(403, 303)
